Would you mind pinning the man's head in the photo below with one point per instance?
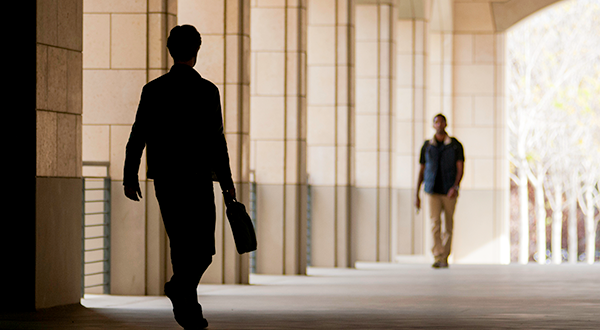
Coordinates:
(183, 43)
(439, 123)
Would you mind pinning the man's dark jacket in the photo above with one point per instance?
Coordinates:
(180, 123)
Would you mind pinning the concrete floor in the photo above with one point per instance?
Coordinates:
(375, 296)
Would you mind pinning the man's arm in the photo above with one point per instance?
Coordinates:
(421, 177)
(419, 182)
(133, 153)
(221, 165)
(223, 171)
(460, 165)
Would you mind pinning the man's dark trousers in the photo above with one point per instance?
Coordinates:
(188, 212)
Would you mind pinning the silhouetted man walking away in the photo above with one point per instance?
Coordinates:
(180, 124)
(442, 165)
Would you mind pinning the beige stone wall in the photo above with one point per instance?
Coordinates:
(375, 82)
(479, 122)
(278, 134)
(330, 128)
(414, 61)
(124, 46)
(58, 153)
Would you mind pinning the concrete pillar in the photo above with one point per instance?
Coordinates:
(125, 47)
(330, 128)
(478, 120)
(278, 134)
(224, 59)
(412, 59)
(371, 199)
(438, 97)
(54, 235)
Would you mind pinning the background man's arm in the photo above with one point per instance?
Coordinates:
(460, 169)
(421, 177)
(460, 165)
(419, 182)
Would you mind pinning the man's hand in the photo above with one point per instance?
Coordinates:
(453, 192)
(419, 182)
(418, 202)
(229, 196)
(133, 192)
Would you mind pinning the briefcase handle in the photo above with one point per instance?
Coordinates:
(228, 199)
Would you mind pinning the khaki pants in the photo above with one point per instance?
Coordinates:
(442, 241)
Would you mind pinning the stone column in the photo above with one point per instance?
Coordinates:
(224, 59)
(371, 200)
(412, 58)
(480, 232)
(54, 235)
(278, 134)
(125, 47)
(330, 128)
(439, 87)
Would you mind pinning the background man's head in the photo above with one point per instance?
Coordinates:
(439, 122)
(183, 43)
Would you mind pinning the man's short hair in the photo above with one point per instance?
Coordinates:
(184, 42)
(441, 116)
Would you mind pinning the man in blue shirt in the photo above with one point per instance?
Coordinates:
(442, 165)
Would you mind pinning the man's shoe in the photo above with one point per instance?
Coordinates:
(188, 316)
(190, 320)
(440, 264)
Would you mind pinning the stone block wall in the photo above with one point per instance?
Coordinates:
(58, 189)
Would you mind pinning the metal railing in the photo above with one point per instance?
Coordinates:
(95, 231)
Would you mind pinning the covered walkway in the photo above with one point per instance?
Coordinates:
(373, 296)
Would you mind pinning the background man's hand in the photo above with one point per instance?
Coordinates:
(133, 192)
(418, 203)
(453, 192)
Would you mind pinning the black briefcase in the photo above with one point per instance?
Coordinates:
(241, 226)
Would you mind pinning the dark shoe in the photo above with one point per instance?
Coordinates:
(440, 264)
(190, 320)
(188, 314)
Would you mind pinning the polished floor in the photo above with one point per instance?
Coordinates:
(374, 296)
